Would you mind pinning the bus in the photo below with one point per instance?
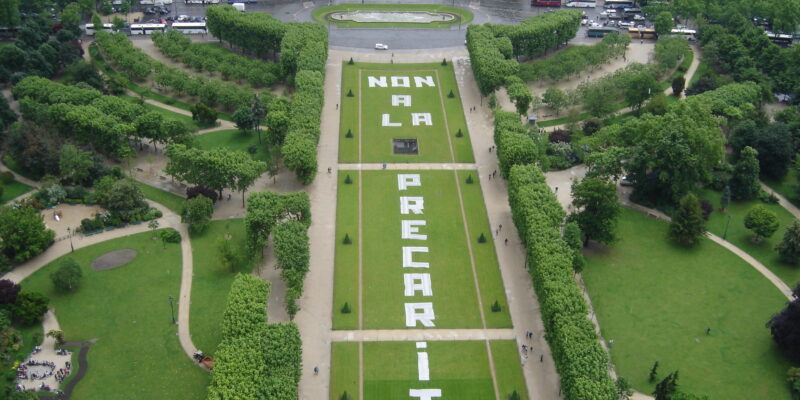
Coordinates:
(581, 4)
(617, 4)
(546, 3)
(642, 33)
(780, 39)
(147, 29)
(190, 28)
(689, 34)
(631, 11)
(89, 28)
(600, 31)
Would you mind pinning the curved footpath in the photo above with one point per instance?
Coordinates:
(168, 220)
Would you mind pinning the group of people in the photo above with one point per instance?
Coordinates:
(42, 369)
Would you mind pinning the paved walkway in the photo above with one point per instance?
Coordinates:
(47, 353)
(410, 335)
(405, 166)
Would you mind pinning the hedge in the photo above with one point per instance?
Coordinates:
(266, 209)
(246, 310)
(515, 145)
(292, 251)
(581, 362)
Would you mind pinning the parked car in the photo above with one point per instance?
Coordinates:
(381, 46)
(625, 181)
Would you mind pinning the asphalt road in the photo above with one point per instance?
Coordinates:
(497, 12)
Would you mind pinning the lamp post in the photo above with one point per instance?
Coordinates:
(171, 310)
(69, 233)
(725, 234)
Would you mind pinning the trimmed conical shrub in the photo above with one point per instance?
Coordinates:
(481, 238)
(346, 310)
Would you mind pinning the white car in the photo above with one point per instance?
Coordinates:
(381, 46)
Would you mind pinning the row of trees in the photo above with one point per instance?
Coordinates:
(36, 53)
(515, 144)
(582, 364)
(255, 359)
(492, 47)
(137, 65)
(293, 254)
(217, 169)
(266, 209)
(211, 58)
(257, 33)
(105, 123)
(575, 59)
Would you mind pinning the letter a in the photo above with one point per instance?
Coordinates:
(401, 100)
(421, 118)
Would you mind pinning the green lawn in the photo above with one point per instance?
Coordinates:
(787, 187)
(344, 370)
(436, 142)
(167, 114)
(655, 300)
(236, 141)
(741, 236)
(13, 190)
(454, 293)
(462, 16)
(459, 369)
(509, 375)
(137, 354)
(166, 199)
(212, 282)
(703, 69)
(346, 256)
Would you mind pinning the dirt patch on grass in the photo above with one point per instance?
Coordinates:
(114, 259)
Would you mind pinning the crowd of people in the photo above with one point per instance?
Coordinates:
(41, 369)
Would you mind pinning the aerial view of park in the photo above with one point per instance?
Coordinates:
(463, 200)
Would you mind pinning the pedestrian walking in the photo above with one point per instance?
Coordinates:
(329, 170)
(506, 241)
(337, 106)
(490, 176)
(541, 358)
(316, 370)
(556, 189)
(501, 225)
(708, 331)
(525, 349)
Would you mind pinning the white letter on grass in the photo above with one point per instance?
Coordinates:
(401, 99)
(428, 81)
(408, 257)
(387, 121)
(381, 81)
(401, 81)
(410, 230)
(425, 394)
(417, 283)
(422, 366)
(419, 312)
(421, 118)
(404, 181)
(412, 204)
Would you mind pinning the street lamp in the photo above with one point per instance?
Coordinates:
(172, 310)
(725, 234)
(69, 233)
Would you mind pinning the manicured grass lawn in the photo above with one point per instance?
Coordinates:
(506, 365)
(167, 114)
(436, 142)
(236, 141)
(655, 300)
(344, 370)
(741, 236)
(166, 199)
(346, 256)
(137, 354)
(787, 187)
(211, 282)
(12, 190)
(454, 294)
(459, 369)
(462, 16)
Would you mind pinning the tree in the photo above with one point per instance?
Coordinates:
(785, 328)
(667, 387)
(688, 225)
(97, 22)
(789, 248)
(653, 373)
(624, 390)
(24, 233)
(725, 199)
(762, 222)
(597, 200)
(29, 307)
(555, 99)
(126, 200)
(74, 164)
(678, 85)
(228, 257)
(8, 291)
(153, 225)
(203, 114)
(244, 119)
(197, 213)
(67, 276)
(663, 23)
(744, 182)
(638, 86)
(259, 111)
(58, 335)
(9, 13)
(278, 123)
